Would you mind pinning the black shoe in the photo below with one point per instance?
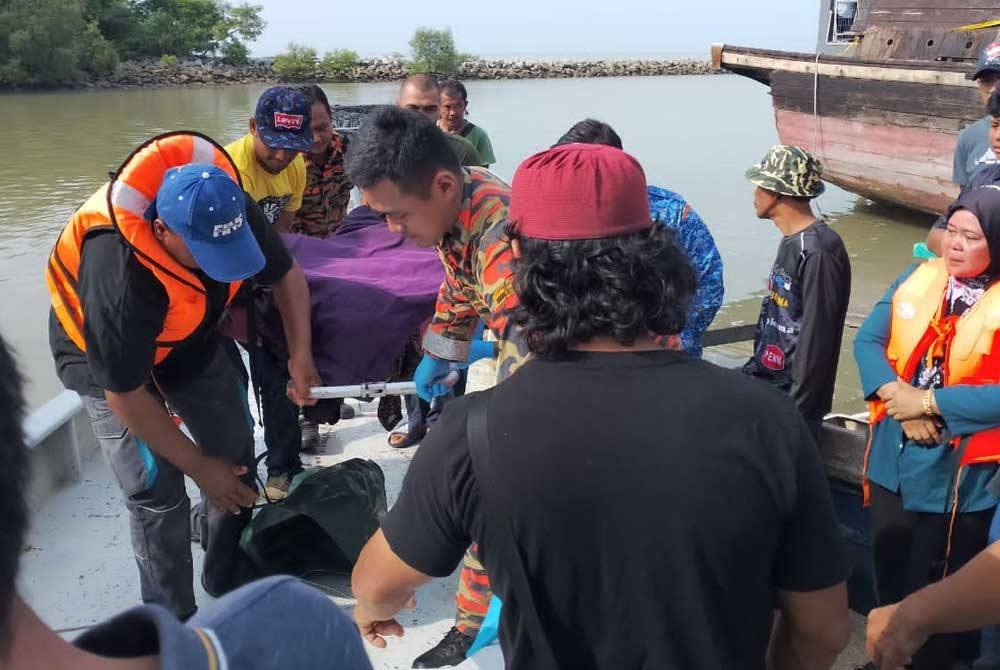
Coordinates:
(390, 411)
(448, 652)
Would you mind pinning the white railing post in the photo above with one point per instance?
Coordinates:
(59, 437)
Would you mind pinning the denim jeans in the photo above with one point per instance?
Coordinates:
(421, 414)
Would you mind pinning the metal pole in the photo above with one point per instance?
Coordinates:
(366, 391)
(372, 390)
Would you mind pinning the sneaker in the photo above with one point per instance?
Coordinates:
(310, 436)
(448, 652)
(276, 487)
(346, 411)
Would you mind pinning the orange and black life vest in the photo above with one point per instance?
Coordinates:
(121, 206)
(967, 344)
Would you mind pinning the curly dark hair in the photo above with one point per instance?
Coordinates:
(13, 477)
(622, 287)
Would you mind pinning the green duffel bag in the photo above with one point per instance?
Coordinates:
(322, 525)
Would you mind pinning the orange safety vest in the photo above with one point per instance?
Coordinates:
(917, 329)
(121, 205)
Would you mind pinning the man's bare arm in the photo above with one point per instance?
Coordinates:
(291, 296)
(810, 630)
(963, 601)
(383, 585)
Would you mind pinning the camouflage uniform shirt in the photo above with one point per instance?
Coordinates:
(327, 192)
(479, 282)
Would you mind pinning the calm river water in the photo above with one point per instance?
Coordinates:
(694, 135)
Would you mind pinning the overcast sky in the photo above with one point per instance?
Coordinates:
(569, 28)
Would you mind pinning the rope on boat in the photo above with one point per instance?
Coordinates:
(992, 23)
(817, 121)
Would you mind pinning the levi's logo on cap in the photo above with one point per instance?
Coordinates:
(228, 228)
(288, 121)
(283, 119)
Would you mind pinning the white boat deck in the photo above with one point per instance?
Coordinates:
(78, 568)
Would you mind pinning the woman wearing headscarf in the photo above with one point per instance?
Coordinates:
(929, 359)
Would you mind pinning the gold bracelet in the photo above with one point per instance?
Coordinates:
(928, 408)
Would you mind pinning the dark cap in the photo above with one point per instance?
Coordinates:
(284, 119)
(989, 60)
(207, 208)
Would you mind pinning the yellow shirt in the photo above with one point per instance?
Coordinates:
(275, 193)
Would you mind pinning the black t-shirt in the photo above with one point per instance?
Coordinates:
(801, 322)
(124, 307)
(659, 503)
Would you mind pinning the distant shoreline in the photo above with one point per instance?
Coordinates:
(154, 74)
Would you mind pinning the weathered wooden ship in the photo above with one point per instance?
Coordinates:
(883, 99)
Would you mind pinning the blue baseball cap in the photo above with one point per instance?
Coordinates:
(284, 119)
(206, 207)
(989, 60)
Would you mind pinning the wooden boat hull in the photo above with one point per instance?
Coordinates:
(885, 130)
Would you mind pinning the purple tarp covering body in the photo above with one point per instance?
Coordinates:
(370, 291)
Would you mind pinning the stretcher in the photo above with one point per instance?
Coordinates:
(365, 391)
(371, 390)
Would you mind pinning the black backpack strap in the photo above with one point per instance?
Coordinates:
(495, 500)
(467, 129)
(253, 347)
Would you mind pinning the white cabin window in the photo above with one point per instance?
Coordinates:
(842, 16)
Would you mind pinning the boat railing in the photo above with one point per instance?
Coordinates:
(59, 438)
(843, 436)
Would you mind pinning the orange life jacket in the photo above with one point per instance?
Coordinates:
(121, 206)
(918, 329)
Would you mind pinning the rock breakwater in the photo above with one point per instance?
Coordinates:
(208, 72)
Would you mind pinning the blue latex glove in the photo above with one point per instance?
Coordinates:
(479, 350)
(490, 629)
(429, 377)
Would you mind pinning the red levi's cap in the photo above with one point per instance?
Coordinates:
(579, 192)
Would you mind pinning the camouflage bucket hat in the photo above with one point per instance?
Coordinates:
(790, 171)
